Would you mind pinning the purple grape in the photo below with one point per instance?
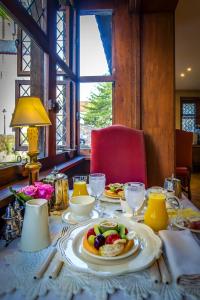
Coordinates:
(99, 241)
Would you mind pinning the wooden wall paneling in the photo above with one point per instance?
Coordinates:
(126, 66)
(157, 88)
(152, 6)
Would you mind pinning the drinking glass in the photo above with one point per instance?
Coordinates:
(97, 183)
(80, 186)
(134, 194)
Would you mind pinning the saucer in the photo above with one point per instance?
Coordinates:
(70, 218)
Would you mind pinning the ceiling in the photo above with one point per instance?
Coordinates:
(187, 44)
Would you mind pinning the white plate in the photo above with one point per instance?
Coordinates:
(130, 252)
(180, 224)
(109, 199)
(69, 218)
(70, 247)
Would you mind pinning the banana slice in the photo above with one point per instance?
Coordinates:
(111, 250)
(120, 241)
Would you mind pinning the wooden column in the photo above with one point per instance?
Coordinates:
(51, 33)
(37, 76)
(126, 68)
(157, 99)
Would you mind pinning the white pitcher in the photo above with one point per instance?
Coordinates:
(35, 231)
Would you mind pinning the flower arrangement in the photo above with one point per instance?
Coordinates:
(37, 190)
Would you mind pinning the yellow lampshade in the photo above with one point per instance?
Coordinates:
(29, 111)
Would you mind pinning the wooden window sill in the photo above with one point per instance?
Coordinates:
(5, 194)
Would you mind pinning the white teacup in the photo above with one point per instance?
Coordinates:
(81, 206)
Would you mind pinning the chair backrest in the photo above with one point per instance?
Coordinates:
(184, 141)
(119, 152)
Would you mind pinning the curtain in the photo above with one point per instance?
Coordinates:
(104, 23)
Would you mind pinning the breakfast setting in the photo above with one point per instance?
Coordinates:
(120, 233)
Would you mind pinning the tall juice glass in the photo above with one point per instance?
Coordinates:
(156, 215)
(80, 186)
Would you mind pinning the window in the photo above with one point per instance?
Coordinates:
(96, 82)
(45, 66)
(190, 114)
(95, 109)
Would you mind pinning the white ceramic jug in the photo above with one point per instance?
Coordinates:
(35, 231)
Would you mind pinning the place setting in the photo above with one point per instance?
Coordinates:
(91, 247)
(136, 238)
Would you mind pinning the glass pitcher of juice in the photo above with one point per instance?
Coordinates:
(156, 215)
(80, 186)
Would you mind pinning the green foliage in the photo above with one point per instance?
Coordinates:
(21, 197)
(98, 111)
(3, 14)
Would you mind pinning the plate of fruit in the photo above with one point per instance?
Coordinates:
(109, 240)
(114, 190)
(145, 247)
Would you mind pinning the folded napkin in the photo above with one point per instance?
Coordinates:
(183, 254)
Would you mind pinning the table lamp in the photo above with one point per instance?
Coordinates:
(29, 111)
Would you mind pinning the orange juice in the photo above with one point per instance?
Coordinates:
(156, 215)
(80, 188)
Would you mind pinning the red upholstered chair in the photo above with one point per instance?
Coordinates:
(184, 141)
(119, 153)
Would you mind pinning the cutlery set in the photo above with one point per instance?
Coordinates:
(58, 264)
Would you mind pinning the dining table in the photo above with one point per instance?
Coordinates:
(17, 269)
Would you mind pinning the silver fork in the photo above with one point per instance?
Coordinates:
(64, 230)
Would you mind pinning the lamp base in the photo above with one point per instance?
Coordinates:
(33, 167)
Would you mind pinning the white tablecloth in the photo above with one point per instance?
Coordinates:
(17, 269)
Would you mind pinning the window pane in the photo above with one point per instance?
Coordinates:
(61, 122)
(95, 45)
(189, 116)
(61, 34)
(95, 109)
(188, 124)
(16, 82)
(189, 108)
(38, 10)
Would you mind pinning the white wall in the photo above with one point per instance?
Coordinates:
(8, 75)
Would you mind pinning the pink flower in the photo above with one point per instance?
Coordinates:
(38, 190)
(29, 190)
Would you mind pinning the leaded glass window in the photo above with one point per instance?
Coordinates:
(61, 117)
(24, 90)
(188, 116)
(61, 35)
(38, 10)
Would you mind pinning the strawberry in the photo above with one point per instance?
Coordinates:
(111, 238)
(91, 232)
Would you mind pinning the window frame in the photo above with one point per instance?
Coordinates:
(47, 43)
(196, 101)
(93, 79)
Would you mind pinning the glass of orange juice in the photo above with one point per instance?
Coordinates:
(80, 186)
(156, 215)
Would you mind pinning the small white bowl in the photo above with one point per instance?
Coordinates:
(81, 206)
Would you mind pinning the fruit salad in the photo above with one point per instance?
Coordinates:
(114, 190)
(107, 239)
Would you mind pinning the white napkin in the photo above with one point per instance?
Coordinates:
(183, 254)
